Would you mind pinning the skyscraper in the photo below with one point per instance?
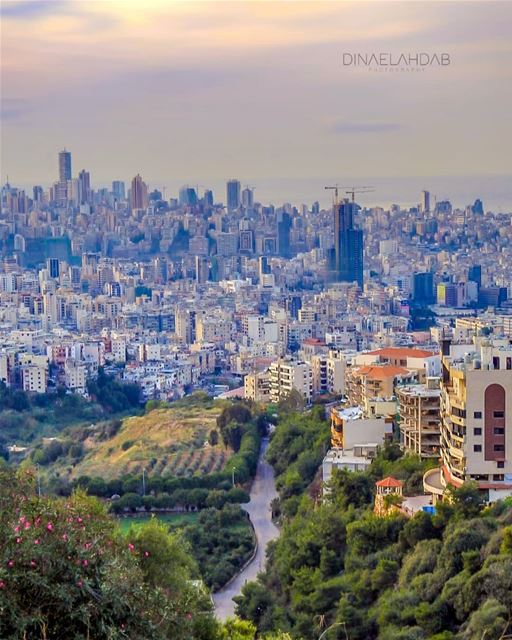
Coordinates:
(118, 189)
(139, 193)
(188, 196)
(247, 198)
(61, 188)
(284, 225)
(84, 187)
(233, 194)
(348, 244)
(64, 166)
(425, 201)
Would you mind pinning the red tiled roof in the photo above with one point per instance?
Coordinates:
(389, 482)
(381, 371)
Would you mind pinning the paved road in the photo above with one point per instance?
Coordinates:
(262, 493)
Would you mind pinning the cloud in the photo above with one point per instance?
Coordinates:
(366, 127)
(13, 108)
(30, 9)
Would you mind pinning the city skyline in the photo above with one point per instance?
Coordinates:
(283, 112)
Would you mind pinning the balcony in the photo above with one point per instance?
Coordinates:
(432, 482)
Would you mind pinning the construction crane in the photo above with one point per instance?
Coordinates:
(353, 190)
(335, 188)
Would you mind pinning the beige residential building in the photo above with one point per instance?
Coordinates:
(367, 386)
(419, 411)
(257, 386)
(34, 377)
(287, 374)
(476, 418)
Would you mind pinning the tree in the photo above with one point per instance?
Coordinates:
(67, 572)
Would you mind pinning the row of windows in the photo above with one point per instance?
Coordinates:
(495, 414)
(497, 447)
(497, 477)
(498, 431)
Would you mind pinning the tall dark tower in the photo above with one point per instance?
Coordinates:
(348, 244)
(64, 166)
(284, 225)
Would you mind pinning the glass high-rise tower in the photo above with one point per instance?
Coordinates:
(233, 194)
(64, 166)
(348, 244)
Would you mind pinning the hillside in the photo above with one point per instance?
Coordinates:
(165, 441)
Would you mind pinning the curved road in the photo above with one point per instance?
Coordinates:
(263, 491)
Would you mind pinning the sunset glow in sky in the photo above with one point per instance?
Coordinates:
(199, 92)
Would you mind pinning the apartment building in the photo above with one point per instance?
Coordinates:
(350, 427)
(34, 377)
(372, 387)
(287, 374)
(419, 410)
(257, 386)
(476, 418)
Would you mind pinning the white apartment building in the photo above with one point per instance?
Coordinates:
(287, 374)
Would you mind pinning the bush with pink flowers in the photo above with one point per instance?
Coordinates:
(67, 572)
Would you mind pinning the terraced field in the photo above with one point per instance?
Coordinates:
(170, 441)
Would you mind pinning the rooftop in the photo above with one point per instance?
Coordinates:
(389, 482)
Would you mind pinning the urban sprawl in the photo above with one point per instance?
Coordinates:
(401, 319)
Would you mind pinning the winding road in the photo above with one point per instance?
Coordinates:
(263, 491)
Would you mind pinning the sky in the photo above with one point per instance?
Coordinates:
(199, 92)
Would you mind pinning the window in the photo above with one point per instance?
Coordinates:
(498, 414)
(477, 448)
(477, 415)
(500, 464)
(498, 477)
(509, 363)
(499, 431)
(499, 447)
(496, 362)
(477, 431)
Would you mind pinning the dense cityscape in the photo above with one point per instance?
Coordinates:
(378, 306)
(255, 320)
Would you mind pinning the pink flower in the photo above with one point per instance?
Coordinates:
(10, 563)
(85, 563)
(2, 584)
(131, 546)
(69, 519)
(65, 537)
(33, 563)
(146, 554)
(79, 519)
(49, 526)
(18, 540)
(22, 518)
(16, 529)
(27, 524)
(36, 541)
(79, 584)
(38, 521)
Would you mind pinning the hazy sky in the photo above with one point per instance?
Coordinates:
(200, 92)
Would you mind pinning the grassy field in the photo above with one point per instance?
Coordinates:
(173, 520)
(168, 441)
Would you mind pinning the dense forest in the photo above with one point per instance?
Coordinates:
(441, 577)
